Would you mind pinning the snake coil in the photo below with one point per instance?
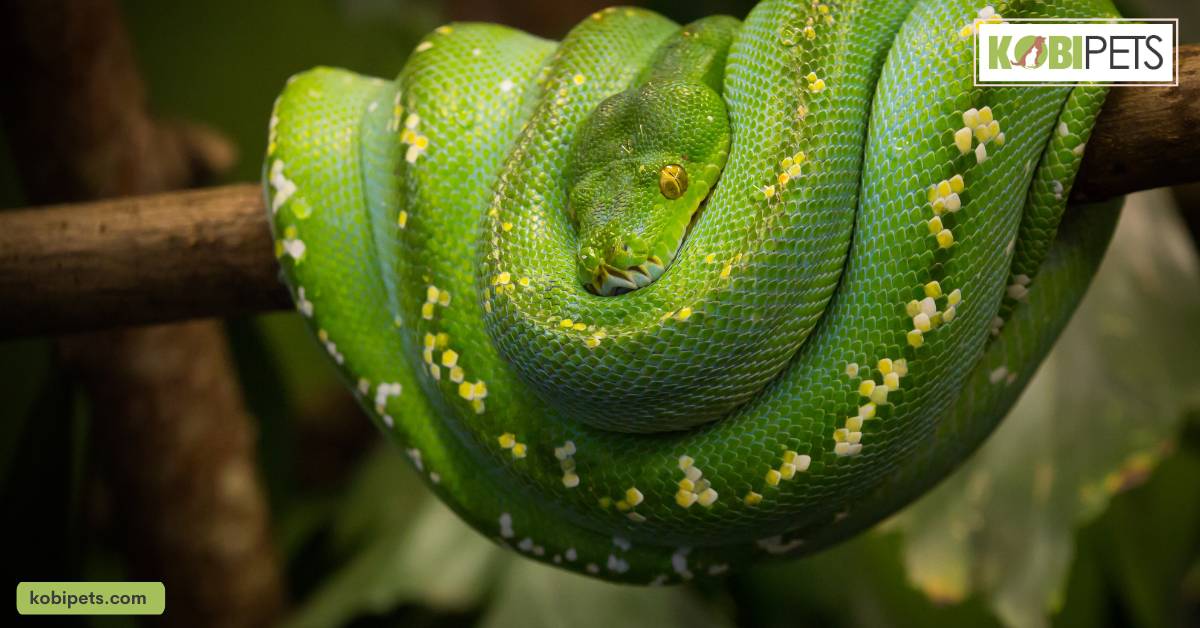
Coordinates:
(883, 261)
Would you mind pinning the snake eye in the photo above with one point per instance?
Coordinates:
(672, 181)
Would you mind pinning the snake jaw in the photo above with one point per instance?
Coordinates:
(612, 281)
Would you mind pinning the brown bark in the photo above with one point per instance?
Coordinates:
(171, 430)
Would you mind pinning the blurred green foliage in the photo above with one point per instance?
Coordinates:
(365, 544)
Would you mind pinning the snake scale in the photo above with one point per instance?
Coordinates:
(654, 302)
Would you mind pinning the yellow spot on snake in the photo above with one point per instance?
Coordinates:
(962, 140)
(502, 279)
(753, 499)
(915, 339)
(402, 219)
(945, 239)
(933, 289)
(507, 440)
(427, 311)
(773, 477)
(684, 313)
(449, 358)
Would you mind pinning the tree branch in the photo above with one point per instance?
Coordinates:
(209, 253)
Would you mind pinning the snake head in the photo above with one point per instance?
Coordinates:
(641, 165)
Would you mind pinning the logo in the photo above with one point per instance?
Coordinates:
(1071, 52)
(1031, 46)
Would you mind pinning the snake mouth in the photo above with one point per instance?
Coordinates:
(612, 281)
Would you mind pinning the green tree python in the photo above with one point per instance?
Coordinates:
(654, 301)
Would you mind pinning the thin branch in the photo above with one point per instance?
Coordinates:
(209, 253)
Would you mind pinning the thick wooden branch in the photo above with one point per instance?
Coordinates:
(208, 252)
(135, 260)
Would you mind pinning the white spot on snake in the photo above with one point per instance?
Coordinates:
(423, 46)
(718, 569)
(303, 305)
(414, 454)
(1063, 130)
(679, 562)
(617, 565)
(570, 554)
(981, 153)
(1017, 292)
(507, 85)
(383, 391)
(1058, 189)
(998, 375)
(284, 187)
(506, 529)
(775, 544)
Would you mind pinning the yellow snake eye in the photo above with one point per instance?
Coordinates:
(672, 181)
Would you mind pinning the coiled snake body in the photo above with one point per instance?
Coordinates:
(871, 271)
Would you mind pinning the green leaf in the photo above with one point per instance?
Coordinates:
(402, 547)
(533, 595)
(1101, 412)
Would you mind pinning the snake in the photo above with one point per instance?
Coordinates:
(656, 302)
